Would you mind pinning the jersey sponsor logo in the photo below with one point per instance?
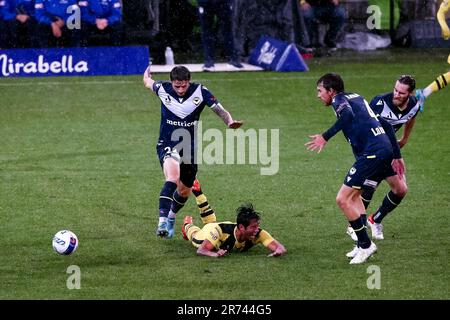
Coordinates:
(181, 123)
(380, 103)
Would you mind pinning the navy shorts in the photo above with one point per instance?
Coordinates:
(188, 171)
(369, 171)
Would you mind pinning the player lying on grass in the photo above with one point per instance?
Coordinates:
(217, 239)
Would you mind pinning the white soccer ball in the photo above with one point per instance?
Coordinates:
(65, 242)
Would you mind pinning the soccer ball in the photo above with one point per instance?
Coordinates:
(65, 242)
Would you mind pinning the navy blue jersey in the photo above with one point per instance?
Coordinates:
(360, 126)
(181, 112)
(383, 106)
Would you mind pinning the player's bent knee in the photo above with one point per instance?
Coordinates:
(184, 191)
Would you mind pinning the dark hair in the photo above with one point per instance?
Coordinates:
(246, 213)
(180, 73)
(408, 80)
(332, 81)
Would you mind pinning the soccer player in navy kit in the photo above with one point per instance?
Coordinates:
(398, 108)
(375, 148)
(181, 105)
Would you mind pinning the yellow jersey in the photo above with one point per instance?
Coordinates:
(223, 236)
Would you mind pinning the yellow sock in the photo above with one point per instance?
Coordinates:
(206, 212)
(191, 230)
(439, 83)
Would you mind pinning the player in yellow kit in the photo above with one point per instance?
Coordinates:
(441, 81)
(216, 239)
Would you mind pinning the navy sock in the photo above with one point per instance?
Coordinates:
(364, 219)
(178, 202)
(366, 196)
(165, 198)
(361, 233)
(390, 202)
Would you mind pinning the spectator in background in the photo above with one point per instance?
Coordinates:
(327, 12)
(222, 9)
(6, 21)
(101, 17)
(17, 19)
(53, 28)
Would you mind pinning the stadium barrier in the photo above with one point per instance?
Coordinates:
(427, 34)
(90, 61)
(276, 55)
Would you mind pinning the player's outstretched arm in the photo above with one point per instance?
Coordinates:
(226, 117)
(207, 249)
(148, 81)
(277, 249)
(406, 132)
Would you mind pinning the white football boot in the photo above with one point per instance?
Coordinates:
(377, 229)
(363, 254)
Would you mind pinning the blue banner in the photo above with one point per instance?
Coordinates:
(276, 55)
(92, 61)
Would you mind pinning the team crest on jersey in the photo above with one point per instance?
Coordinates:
(352, 170)
(167, 100)
(196, 101)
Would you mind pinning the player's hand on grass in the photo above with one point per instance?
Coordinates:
(278, 252)
(221, 253)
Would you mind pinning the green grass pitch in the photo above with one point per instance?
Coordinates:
(79, 153)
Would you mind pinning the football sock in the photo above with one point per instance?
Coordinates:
(438, 84)
(165, 198)
(361, 233)
(364, 218)
(390, 202)
(366, 196)
(178, 202)
(207, 214)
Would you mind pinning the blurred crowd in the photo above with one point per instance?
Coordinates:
(59, 23)
(227, 28)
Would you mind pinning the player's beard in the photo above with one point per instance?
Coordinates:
(399, 102)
